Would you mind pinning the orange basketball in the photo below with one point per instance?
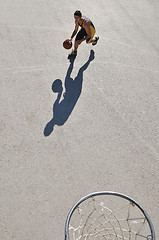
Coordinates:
(67, 44)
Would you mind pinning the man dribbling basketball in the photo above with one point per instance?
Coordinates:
(86, 32)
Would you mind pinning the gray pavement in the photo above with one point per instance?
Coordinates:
(106, 135)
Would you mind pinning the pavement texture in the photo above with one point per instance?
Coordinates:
(95, 129)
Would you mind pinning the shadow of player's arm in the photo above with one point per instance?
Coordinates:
(85, 66)
(68, 79)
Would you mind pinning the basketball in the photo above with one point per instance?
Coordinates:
(67, 44)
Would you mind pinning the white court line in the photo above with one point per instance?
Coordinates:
(36, 27)
(141, 16)
(130, 46)
(44, 68)
(30, 69)
(126, 65)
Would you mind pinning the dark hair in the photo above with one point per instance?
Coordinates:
(78, 13)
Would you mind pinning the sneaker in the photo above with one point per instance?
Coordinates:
(96, 40)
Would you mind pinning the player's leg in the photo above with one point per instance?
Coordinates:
(92, 39)
(80, 35)
(75, 46)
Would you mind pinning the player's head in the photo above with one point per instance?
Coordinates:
(77, 15)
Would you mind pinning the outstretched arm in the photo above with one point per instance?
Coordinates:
(84, 67)
(68, 78)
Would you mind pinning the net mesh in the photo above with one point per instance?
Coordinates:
(99, 219)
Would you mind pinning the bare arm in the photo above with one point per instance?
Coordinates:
(75, 30)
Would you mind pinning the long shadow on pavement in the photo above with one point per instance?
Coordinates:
(63, 109)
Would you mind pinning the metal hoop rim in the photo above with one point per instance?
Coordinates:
(107, 193)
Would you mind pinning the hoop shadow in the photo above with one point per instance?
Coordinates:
(63, 109)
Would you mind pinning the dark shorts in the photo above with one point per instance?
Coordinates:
(81, 34)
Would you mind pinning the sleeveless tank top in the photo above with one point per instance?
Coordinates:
(85, 19)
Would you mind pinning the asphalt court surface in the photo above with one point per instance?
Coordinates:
(106, 128)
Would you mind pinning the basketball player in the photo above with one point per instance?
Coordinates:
(86, 32)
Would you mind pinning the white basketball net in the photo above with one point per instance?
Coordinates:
(93, 219)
